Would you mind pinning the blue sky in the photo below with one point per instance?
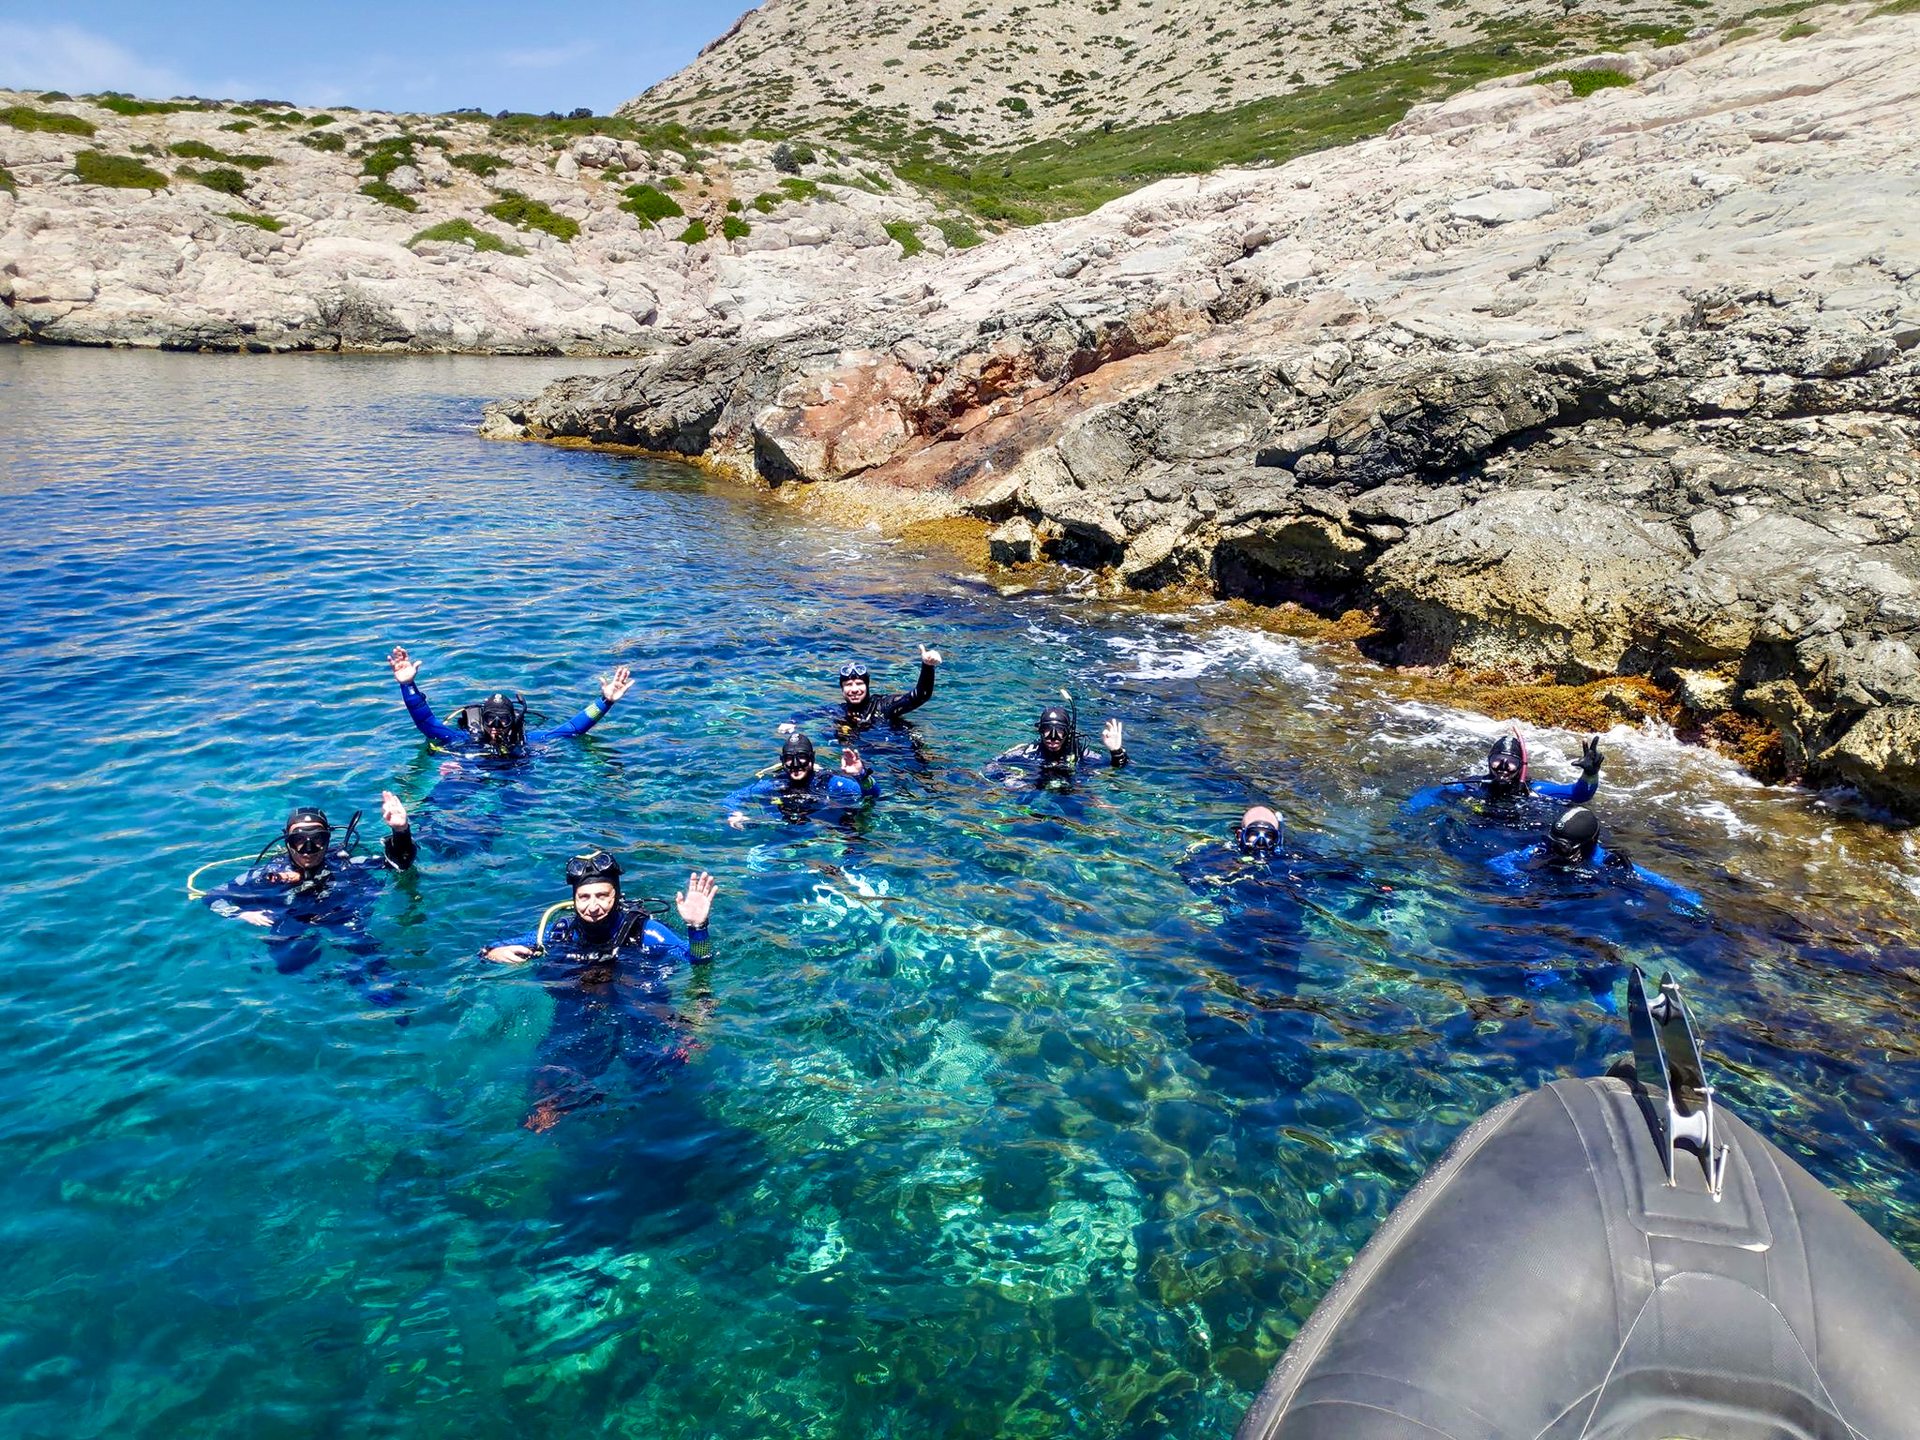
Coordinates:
(400, 55)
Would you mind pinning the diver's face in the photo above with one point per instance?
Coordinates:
(799, 768)
(1564, 851)
(307, 848)
(854, 688)
(1503, 769)
(1053, 742)
(496, 732)
(594, 901)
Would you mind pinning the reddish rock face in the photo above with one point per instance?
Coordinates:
(850, 419)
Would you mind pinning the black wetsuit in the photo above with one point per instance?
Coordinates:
(1030, 763)
(850, 719)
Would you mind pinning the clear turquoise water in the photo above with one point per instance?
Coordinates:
(993, 1127)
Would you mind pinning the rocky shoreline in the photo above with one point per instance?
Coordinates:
(1558, 387)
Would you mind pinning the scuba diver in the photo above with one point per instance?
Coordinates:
(497, 725)
(309, 883)
(1258, 849)
(1508, 783)
(861, 709)
(1572, 845)
(606, 965)
(798, 787)
(1056, 754)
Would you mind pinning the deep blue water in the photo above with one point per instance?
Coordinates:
(991, 1124)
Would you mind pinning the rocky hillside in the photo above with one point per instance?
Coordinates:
(1618, 373)
(996, 74)
(254, 226)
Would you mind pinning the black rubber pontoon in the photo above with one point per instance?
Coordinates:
(1611, 1259)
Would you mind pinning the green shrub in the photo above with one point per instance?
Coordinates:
(48, 97)
(766, 204)
(1799, 30)
(788, 158)
(263, 222)
(649, 205)
(693, 234)
(904, 235)
(733, 205)
(383, 192)
(480, 163)
(734, 228)
(7, 182)
(958, 232)
(120, 172)
(238, 127)
(465, 231)
(121, 104)
(1900, 7)
(529, 214)
(384, 157)
(318, 120)
(292, 117)
(197, 150)
(800, 189)
(328, 141)
(1585, 82)
(50, 122)
(227, 181)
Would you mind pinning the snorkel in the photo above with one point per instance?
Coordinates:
(1059, 730)
(1507, 767)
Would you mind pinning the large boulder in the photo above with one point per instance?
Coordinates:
(1537, 580)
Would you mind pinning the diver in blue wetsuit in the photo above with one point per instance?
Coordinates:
(1572, 844)
(497, 725)
(312, 887)
(606, 965)
(1508, 784)
(801, 788)
(1056, 755)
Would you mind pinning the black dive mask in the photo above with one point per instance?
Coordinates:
(1259, 838)
(596, 866)
(1573, 838)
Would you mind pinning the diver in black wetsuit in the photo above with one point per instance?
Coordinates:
(497, 725)
(1508, 784)
(1572, 844)
(801, 788)
(861, 709)
(1056, 755)
(312, 884)
(606, 965)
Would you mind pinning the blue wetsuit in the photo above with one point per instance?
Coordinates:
(294, 909)
(610, 999)
(1535, 857)
(1482, 788)
(454, 738)
(824, 790)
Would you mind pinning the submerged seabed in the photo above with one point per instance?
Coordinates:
(992, 1127)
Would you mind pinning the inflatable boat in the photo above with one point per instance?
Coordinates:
(1612, 1259)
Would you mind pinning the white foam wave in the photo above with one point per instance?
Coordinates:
(1159, 655)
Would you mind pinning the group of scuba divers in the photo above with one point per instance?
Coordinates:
(603, 954)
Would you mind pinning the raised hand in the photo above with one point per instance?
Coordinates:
(616, 685)
(1113, 736)
(509, 954)
(404, 667)
(929, 657)
(1590, 755)
(392, 811)
(851, 763)
(737, 820)
(785, 728)
(695, 903)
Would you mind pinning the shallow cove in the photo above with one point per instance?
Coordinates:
(991, 1126)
